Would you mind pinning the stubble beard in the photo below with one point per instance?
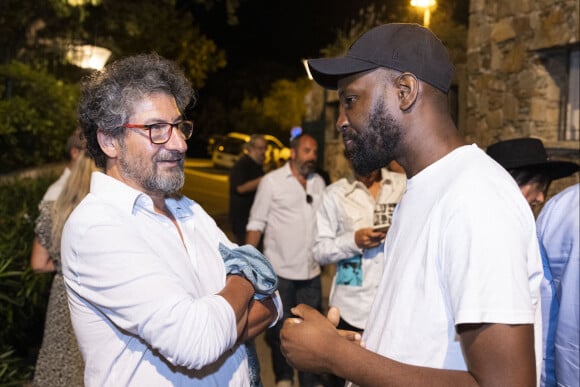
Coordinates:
(306, 168)
(374, 147)
(167, 183)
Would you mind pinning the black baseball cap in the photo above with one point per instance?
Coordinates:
(404, 47)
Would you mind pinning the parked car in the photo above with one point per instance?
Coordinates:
(231, 147)
(213, 142)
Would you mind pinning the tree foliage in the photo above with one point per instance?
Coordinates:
(281, 109)
(38, 88)
(155, 26)
(37, 114)
(448, 22)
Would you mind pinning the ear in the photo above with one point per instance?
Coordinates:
(292, 154)
(108, 144)
(408, 85)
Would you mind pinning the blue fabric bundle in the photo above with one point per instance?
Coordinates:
(254, 266)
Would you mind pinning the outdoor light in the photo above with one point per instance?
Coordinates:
(305, 63)
(87, 56)
(426, 5)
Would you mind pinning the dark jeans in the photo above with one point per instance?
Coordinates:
(292, 293)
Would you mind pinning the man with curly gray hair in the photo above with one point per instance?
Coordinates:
(152, 300)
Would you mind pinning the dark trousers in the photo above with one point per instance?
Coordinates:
(292, 293)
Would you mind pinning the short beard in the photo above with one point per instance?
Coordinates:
(306, 168)
(168, 184)
(375, 147)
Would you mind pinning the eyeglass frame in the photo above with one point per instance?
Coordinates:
(149, 127)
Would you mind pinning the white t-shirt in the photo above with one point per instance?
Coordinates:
(461, 249)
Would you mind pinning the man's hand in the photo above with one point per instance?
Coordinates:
(307, 339)
(333, 316)
(366, 238)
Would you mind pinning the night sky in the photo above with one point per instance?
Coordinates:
(279, 31)
(269, 42)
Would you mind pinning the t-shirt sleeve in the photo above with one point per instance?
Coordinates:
(486, 262)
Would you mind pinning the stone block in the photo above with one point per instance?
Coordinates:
(515, 59)
(511, 107)
(502, 31)
(494, 119)
(538, 109)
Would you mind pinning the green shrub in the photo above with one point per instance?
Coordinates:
(23, 294)
(37, 114)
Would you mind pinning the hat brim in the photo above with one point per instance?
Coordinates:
(327, 71)
(560, 169)
(554, 169)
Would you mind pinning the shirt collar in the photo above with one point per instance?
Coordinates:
(128, 199)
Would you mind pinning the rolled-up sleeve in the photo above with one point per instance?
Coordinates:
(261, 206)
(333, 241)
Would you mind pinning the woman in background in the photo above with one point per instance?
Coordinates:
(59, 361)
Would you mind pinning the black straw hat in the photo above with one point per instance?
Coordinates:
(398, 46)
(529, 152)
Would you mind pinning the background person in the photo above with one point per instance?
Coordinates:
(345, 237)
(59, 360)
(559, 233)
(40, 259)
(284, 212)
(527, 161)
(244, 178)
(152, 299)
(459, 296)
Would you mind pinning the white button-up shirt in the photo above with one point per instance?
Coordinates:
(143, 301)
(348, 205)
(281, 212)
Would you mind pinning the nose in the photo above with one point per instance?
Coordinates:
(342, 121)
(176, 141)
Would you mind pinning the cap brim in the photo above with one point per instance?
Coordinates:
(327, 71)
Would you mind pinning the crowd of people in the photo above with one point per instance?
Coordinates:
(442, 277)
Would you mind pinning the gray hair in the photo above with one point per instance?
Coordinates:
(108, 97)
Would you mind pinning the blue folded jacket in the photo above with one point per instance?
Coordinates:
(254, 266)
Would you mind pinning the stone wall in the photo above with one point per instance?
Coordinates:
(511, 91)
(514, 83)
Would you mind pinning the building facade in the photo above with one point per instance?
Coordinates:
(520, 79)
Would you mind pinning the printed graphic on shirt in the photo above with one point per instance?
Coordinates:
(349, 271)
(383, 213)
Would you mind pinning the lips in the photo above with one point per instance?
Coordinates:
(173, 157)
(347, 137)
